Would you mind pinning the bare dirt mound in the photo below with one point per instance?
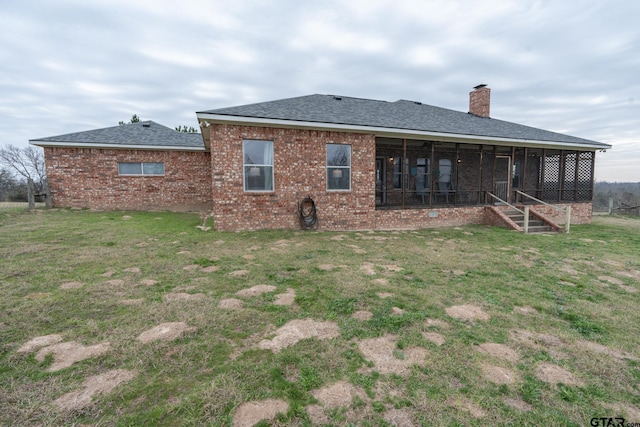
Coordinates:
(625, 409)
(499, 351)
(95, 385)
(399, 417)
(66, 354)
(181, 296)
(362, 315)
(165, 331)
(384, 295)
(434, 337)
(255, 291)
(382, 281)
(326, 267)
(629, 289)
(250, 413)
(239, 273)
(337, 395)
(554, 374)
(71, 285)
(230, 303)
(37, 342)
(132, 301)
(387, 358)
(499, 375)
(288, 298)
(525, 310)
(467, 312)
(612, 280)
(368, 268)
(297, 330)
(466, 405)
(148, 282)
(437, 323)
(518, 404)
(601, 349)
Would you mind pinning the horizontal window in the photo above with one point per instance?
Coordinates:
(140, 168)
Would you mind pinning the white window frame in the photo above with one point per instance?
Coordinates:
(334, 169)
(142, 169)
(263, 168)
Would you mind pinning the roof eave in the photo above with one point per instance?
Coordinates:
(395, 132)
(41, 143)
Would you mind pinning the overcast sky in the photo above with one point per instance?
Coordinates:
(569, 66)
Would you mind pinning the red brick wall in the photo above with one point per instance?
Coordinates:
(411, 219)
(88, 178)
(580, 212)
(299, 170)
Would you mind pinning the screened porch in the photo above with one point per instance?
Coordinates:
(420, 174)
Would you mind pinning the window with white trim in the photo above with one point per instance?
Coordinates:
(141, 168)
(338, 167)
(257, 165)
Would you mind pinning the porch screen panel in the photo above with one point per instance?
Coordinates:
(551, 179)
(585, 177)
(569, 173)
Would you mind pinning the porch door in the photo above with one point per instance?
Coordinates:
(502, 187)
(381, 181)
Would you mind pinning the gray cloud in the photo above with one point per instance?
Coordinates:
(571, 67)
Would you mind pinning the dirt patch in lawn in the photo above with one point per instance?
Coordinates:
(437, 323)
(362, 315)
(518, 404)
(66, 354)
(466, 405)
(387, 358)
(148, 282)
(499, 351)
(629, 289)
(538, 340)
(239, 273)
(231, 303)
(255, 291)
(368, 268)
(134, 270)
(554, 374)
(95, 385)
(37, 342)
(384, 295)
(115, 283)
(287, 298)
(399, 417)
(71, 285)
(434, 337)
(624, 409)
(381, 281)
(612, 280)
(396, 311)
(250, 413)
(297, 330)
(326, 267)
(525, 310)
(467, 312)
(499, 375)
(337, 395)
(165, 331)
(594, 347)
(181, 296)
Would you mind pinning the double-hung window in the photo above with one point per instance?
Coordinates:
(140, 168)
(338, 167)
(257, 165)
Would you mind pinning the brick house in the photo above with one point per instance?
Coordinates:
(366, 164)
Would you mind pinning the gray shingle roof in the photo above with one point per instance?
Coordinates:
(141, 134)
(402, 114)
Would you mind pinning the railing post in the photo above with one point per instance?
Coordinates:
(567, 223)
(30, 194)
(526, 220)
(610, 205)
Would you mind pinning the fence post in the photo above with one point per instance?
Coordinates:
(526, 220)
(567, 222)
(47, 193)
(30, 196)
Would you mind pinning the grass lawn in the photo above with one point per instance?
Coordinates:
(132, 318)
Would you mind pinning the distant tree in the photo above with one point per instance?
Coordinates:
(186, 129)
(27, 163)
(134, 119)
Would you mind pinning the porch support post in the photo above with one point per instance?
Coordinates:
(455, 199)
(432, 168)
(593, 169)
(405, 172)
(576, 177)
(523, 174)
(543, 177)
(480, 194)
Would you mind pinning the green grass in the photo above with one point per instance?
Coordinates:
(202, 377)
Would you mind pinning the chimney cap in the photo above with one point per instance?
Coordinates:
(480, 86)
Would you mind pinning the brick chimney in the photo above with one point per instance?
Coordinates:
(480, 101)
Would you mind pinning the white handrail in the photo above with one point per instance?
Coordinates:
(539, 201)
